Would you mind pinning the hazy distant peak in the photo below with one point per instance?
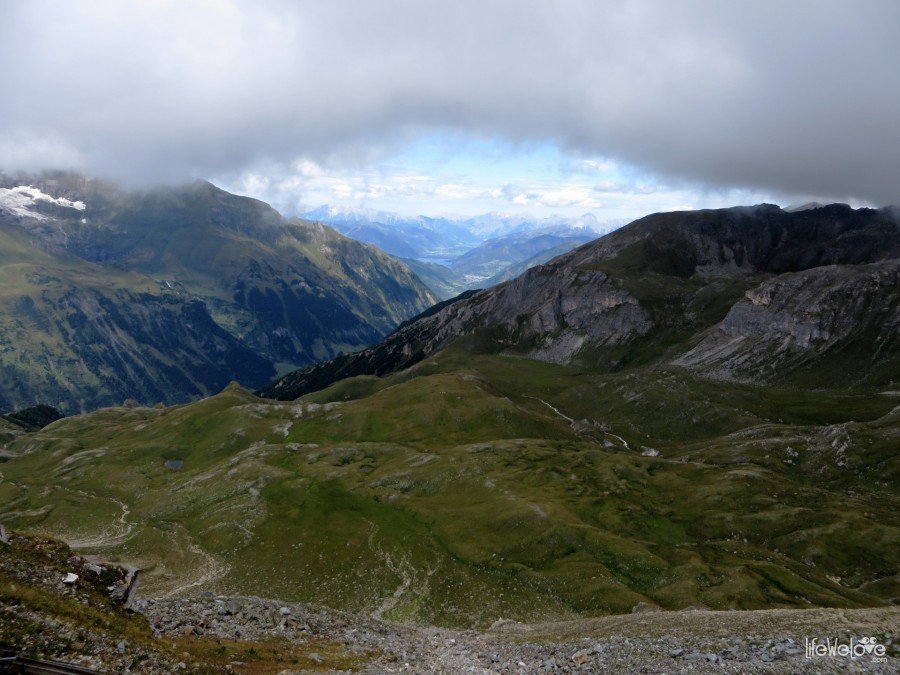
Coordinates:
(484, 226)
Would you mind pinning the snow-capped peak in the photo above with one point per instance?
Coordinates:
(17, 200)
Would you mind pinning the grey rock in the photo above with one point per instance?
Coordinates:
(786, 320)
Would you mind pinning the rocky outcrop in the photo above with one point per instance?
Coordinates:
(58, 605)
(549, 313)
(795, 318)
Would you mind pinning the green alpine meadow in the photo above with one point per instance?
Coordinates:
(563, 455)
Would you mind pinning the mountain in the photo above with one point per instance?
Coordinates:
(512, 255)
(457, 254)
(79, 335)
(651, 290)
(476, 487)
(539, 258)
(699, 410)
(849, 315)
(482, 263)
(443, 281)
(418, 237)
(167, 294)
(496, 225)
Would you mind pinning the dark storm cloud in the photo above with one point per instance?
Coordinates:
(795, 97)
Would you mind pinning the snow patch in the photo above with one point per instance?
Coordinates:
(17, 200)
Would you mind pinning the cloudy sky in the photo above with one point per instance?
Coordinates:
(552, 106)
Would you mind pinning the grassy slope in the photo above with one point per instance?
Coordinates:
(101, 305)
(77, 335)
(454, 493)
(30, 279)
(257, 271)
(41, 618)
(477, 486)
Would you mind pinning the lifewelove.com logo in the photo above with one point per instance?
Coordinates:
(854, 648)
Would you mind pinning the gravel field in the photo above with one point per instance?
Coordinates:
(770, 641)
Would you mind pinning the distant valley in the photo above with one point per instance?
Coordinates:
(452, 255)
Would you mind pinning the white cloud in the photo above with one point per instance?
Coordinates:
(589, 166)
(463, 191)
(798, 96)
(568, 196)
(342, 190)
(305, 168)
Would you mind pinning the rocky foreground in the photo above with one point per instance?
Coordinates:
(57, 605)
(769, 641)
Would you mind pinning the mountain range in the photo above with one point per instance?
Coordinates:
(698, 410)
(753, 292)
(167, 294)
(456, 254)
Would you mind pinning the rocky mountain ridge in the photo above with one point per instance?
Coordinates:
(764, 331)
(658, 274)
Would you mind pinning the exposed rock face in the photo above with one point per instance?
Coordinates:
(539, 311)
(795, 317)
(548, 313)
(556, 311)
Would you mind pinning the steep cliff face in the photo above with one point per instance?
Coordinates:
(652, 289)
(539, 311)
(795, 319)
(547, 314)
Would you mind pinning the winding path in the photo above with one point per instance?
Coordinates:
(572, 422)
(121, 533)
(403, 570)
